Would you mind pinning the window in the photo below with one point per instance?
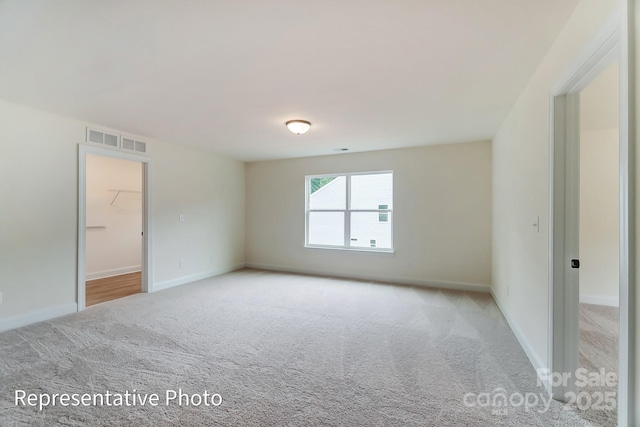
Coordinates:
(350, 211)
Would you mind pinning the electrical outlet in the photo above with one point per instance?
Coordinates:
(180, 264)
(181, 218)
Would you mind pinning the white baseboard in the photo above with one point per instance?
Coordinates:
(37, 316)
(600, 300)
(113, 272)
(535, 360)
(473, 287)
(194, 277)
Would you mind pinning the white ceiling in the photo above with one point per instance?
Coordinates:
(226, 74)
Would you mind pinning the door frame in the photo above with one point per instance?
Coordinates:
(611, 41)
(83, 150)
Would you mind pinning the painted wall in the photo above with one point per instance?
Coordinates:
(442, 215)
(114, 219)
(599, 217)
(521, 187)
(209, 191)
(599, 101)
(38, 213)
(600, 189)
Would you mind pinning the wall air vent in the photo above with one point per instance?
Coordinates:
(133, 145)
(104, 138)
(116, 141)
(111, 140)
(141, 146)
(95, 136)
(128, 144)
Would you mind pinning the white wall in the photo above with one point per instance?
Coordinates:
(600, 189)
(114, 220)
(442, 215)
(599, 217)
(521, 187)
(599, 101)
(209, 190)
(38, 213)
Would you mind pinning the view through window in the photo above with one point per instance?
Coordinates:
(352, 211)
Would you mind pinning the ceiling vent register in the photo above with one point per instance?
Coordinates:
(103, 138)
(115, 141)
(133, 145)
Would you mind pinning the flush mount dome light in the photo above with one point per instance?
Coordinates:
(298, 126)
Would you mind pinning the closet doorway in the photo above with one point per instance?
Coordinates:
(113, 246)
(114, 228)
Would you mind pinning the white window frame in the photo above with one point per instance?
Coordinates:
(347, 213)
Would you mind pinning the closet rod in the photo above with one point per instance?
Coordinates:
(123, 191)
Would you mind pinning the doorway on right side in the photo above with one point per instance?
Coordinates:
(599, 234)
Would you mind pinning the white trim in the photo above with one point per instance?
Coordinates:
(440, 284)
(614, 38)
(346, 244)
(113, 272)
(147, 254)
(600, 300)
(594, 58)
(534, 359)
(353, 249)
(195, 277)
(564, 149)
(147, 226)
(627, 410)
(81, 299)
(37, 316)
(556, 233)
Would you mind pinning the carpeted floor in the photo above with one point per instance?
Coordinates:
(281, 350)
(599, 326)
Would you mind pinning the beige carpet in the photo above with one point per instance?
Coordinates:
(281, 350)
(599, 326)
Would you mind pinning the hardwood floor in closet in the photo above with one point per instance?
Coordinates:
(110, 288)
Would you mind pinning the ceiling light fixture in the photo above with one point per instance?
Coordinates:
(298, 126)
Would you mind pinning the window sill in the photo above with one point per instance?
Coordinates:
(337, 248)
